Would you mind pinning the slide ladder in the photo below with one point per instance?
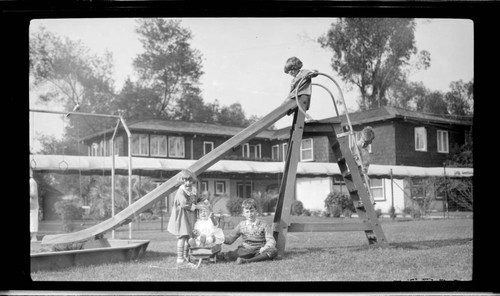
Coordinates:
(356, 183)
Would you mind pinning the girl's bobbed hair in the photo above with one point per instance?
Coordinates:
(249, 204)
(293, 63)
(205, 206)
(186, 175)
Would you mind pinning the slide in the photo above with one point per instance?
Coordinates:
(125, 216)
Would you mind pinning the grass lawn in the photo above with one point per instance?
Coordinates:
(420, 250)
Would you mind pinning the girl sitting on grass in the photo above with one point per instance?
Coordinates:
(206, 229)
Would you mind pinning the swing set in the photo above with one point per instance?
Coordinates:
(64, 166)
(352, 174)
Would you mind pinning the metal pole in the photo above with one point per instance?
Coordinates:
(445, 212)
(129, 150)
(75, 113)
(129, 136)
(392, 191)
(113, 175)
(162, 205)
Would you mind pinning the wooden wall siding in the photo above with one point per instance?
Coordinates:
(321, 148)
(394, 143)
(384, 145)
(405, 145)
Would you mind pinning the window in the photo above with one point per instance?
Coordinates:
(418, 188)
(306, 150)
(176, 147)
(220, 187)
(101, 148)
(442, 141)
(203, 186)
(244, 189)
(94, 149)
(118, 144)
(377, 189)
(285, 151)
(158, 145)
(140, 144)
(256, 150)
(420, 139)
(275, 152)
(245, 150)
(251, 151)
(108, 147)
(338, 184)
(207, 147)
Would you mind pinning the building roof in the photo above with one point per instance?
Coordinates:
(185, 127)
(375, 115)
(356, 118)
(88, 165)
(386, 112)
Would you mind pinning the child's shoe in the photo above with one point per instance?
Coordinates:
(241, 261)
(192, 242)
(203, 239)
(220, 257)
(188, 265)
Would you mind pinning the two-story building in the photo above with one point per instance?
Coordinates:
(403, 138)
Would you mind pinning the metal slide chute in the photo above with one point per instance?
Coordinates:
(126, 215)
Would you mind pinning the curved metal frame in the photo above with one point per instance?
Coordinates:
(351, 131)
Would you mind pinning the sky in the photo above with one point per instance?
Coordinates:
(243, 58)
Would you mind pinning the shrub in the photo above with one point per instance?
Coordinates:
(306, 212)
(234, 205)
(335, 211)
(297, 208)
(347, 213)
(408, 210)
(413, 212)
(378, 212)
(315, 213)
(69, 211)
(337, 203)
(264, 202)
(392, 213)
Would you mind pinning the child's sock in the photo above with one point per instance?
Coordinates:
(180, 251)
(186, 251)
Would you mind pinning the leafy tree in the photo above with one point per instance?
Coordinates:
(460, 98)
(168, 66)
(405, 95)
(464, 156)
(191, 107)
(72, 74)
(432, 103)
(64, 71)
(373, 54)
(135, 102)
(232, 115)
